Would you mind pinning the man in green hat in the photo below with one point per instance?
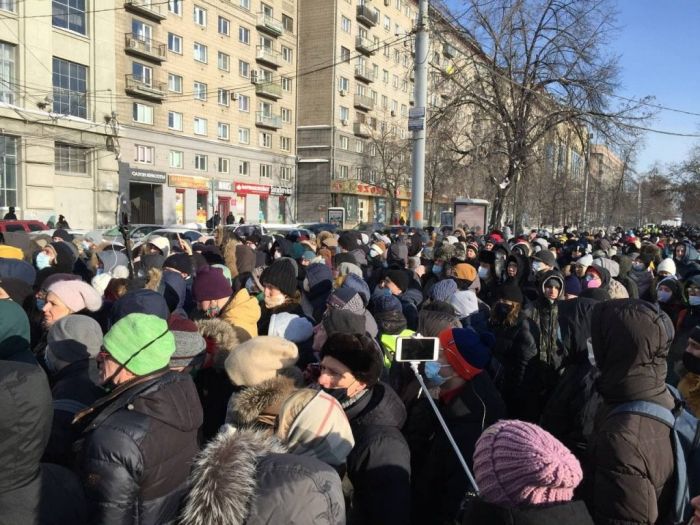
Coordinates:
(140, 439)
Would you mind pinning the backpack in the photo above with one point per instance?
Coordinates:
(686, 448)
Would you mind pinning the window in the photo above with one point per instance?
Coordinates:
(223, 61)
(398, 5)
(223, 131)
(7, 5)
(397, 56)
(386, 50)
(174, 83)
(285, 143)
(175, 158)
(222, 165)
(69, 88)
(373, 95)
(224, 97)
(266, 9)
(385, 76)
(345, 24)
(142, 113)
(243, 103)
(343, 84)
(200, 126)
(342, 172)
(175, 7)
(245, 4)
(287, 84)
(394, 106)
(344, 113)
(344, 54)
(344, 142)
(69, 14)
(265, 139)
(200, 162)
(144, 154)
(142, 32)
(244, 35)
(244, 168)
(404, 110)
(200, 16)
(244, 69)
(244, 135)
(288, 23)
(395, 81)
(200, 52)
(286, 115)
(265, 171)
(175, 43)
(70, 159)
(358, 173)
(387, 23)
(359, 146)
(224, 26)
(8, 73)
(8, 170)
(200, 91)
(385, 102)
(287, 54)
(142, 73)
(286, 173)
(175, 120)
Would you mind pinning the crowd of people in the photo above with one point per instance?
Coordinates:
(254, 381)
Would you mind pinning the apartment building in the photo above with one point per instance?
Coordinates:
(207, 108)
(57, 132)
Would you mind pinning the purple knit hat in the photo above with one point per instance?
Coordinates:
(210, 284)
(519, 464)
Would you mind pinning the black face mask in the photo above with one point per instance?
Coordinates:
(501, 311)
(691, 363)
(340, 394)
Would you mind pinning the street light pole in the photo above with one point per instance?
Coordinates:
(421, 98)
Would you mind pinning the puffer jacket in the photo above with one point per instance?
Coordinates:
(137, 450)
(243, 311)
(25, 419)
(379, 466)
(247, 477)
(569, 513)
(632, 459)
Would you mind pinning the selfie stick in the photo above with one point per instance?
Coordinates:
(414, 367)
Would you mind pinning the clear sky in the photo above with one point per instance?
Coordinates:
(659, 47)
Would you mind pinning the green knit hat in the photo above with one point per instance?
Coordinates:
(140, 342)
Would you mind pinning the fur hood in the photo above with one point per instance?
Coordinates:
(257, 406)
(222, 337)
(229, 250)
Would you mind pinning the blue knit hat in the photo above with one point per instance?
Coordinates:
(572, 285)
(386, 303)
(318, 272)
(443, 290)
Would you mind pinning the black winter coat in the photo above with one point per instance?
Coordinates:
(138, 448)
(379, 466)
(567, 513)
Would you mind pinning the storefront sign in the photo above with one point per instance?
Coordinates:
(280, 191)
(148, 176)
(186, 181)
(356, 188)
(242, 188)
(224, 185)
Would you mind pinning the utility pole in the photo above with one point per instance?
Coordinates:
(418, 116)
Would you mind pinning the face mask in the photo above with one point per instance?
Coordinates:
(100, 271)
(374, 253)
(591, 282)
(212, 312)
(663, 296)
(694, 300)
(437, 269)
(691, 362)
(536, 267)
(40, 303)
(43, 261)
(591, 355)
(276, 300)
(432, 373)
(276, 255)
(501, 310)
(483, 272)
(340, 394)
(638, 267)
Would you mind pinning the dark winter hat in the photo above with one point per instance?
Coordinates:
(399, 278)
(572, 285)
(63, 234)
(348, 241)
(510, 292)
(282, 275)
(316, 273)
(18, 290)
(546, 257)
(346, 257)
(139, 301)
(343, 322)
(359, 353)
(386, 303)
(210, 284)
(359, 285)
(443, 290)
(17, 269)
(346, 299)
(487, 257)
(464, 351)
(180, 262)
(190, 346)
(71, 339)
(437, 317)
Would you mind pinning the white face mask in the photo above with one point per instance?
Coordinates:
(694, 300)
(536, 266)
(663, 296)
(483, 272)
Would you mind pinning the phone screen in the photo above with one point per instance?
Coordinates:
(418, 349)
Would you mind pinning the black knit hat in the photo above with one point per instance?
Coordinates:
(510, 292)
(180, 262)
(546, 257)
(487, 257)
(282, 275)
(399, 278)
(340, 258)
(359, 353)
(338, 321)
(348, 241)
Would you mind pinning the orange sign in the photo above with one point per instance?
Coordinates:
(357, 188)
(185, 181)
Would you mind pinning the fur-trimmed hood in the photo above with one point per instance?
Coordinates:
(222, 338)
(257, 406)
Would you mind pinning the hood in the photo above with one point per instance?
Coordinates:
(691, 254)
(382, 407)
(625, 265)
(554, 274)
(371, 324)
(18, 270)
(174, 291)
(222, 339)
(412, 295)
(523, 267)
(360, 256)
(111, 259)
(14, 330)
(676, 289)
(610, 265)
(243, 311)
(574, 317)
(172, 400)
(139, 301)
(65, 257)
(604, 275)
(358, 284)
(258, 406)
(465, 303)
(631, 339)
(224, 478)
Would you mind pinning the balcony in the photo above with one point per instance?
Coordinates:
(269, 90)
(150, 9)
(267, 56)
(136, 45)
(265, 120)
(269, 25)
(361, 129)
(136, 87)
(363, 73)
(367, 16)
(364, 45)
(364, 102)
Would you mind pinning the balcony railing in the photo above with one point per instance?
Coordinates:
(367, 16)
(364, 45)
(268, 89)
(364, 73)
(361, 129)
(136, 86)
(147, 8)
(266, 120)
(267, 55)
(269, 24)
(364, 102)
(144, 47)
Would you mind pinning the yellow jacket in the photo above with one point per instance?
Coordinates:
(243, 311)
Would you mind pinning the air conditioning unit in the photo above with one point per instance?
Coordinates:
(344, 122)
(343, 92)
(393, 113)
(234, 96)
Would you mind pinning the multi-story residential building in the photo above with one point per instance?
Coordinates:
(606, 170)
(57, 129)
(207, 108)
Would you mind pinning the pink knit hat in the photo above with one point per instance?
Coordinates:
(519, 464)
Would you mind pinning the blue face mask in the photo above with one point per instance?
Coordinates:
(432, 373)
(100, 271)
(43, 261)
(437, 268)
(40, 303)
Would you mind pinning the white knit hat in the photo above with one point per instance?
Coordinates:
(667, 265)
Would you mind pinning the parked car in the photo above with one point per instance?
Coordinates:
(136, 232)
(318, 227)
(245, 230)
(172, 234)
(22, 226)
(370, 227)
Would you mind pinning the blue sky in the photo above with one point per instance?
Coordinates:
(659, 48)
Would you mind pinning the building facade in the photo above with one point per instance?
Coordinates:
(207, 109)
(57, 128)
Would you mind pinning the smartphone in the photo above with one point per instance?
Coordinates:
(417, 349)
